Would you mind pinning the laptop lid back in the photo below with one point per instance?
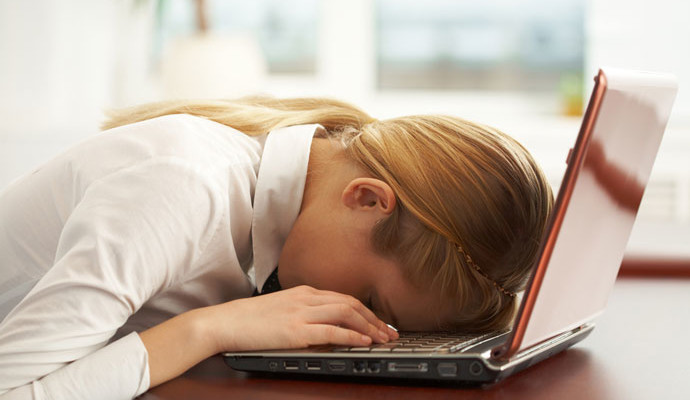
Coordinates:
(597, 203)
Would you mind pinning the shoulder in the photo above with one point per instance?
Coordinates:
(185, 135)
(206, 146)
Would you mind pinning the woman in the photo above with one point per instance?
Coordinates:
(136, 252)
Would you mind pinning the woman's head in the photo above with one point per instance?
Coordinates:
(468, 196)
(464, 196)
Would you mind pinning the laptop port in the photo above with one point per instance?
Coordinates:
(476, 368)
(447, 369)
(408, 367)
(291, 365)
(313, 365)
(336, 366)
(374, 367)
(359, 366)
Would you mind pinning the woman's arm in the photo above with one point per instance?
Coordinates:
(132, 234)
(292, 318)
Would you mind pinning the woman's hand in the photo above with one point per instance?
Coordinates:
(293, 318)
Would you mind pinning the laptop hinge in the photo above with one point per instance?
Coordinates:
(500, 353)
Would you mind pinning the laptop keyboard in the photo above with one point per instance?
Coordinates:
(421, 342)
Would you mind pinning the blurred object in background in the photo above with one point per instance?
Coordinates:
(212, 49)
(212, 66)
(571, 94)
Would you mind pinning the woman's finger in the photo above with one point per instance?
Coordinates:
(331, 334)
(326, 297)
(346, 315)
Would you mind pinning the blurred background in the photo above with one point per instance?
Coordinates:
(525, 67)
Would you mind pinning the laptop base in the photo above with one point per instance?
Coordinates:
(469, 369)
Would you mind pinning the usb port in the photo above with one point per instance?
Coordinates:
(313, 365)
(447, 369)
(291, 365)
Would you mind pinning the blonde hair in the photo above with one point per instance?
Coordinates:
(457, 183)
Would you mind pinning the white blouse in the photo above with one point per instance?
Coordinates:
(127, 229)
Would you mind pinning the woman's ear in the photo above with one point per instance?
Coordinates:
(369, 194)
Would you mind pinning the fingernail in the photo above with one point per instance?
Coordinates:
(366, 339)
(393, 332)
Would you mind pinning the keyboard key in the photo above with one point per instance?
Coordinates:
(386, 345)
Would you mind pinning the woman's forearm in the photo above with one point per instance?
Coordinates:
(176, 345)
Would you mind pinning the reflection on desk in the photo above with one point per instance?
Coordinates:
(638, 350)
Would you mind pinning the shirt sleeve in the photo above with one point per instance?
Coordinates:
(133, 234)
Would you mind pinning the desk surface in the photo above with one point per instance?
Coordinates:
(640, 349)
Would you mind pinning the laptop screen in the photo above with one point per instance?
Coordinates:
(607, 173)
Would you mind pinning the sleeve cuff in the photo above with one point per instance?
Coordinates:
(117, 371)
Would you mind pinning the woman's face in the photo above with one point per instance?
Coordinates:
(329, 248)
(325, 258)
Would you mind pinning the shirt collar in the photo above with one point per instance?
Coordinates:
(278, 194)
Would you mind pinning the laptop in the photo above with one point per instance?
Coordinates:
(581, 252)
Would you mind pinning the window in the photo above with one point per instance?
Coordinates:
(488, 45)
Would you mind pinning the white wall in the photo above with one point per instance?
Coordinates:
(56, 68)
(62, 62)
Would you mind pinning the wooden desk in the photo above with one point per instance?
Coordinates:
(640, 349)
